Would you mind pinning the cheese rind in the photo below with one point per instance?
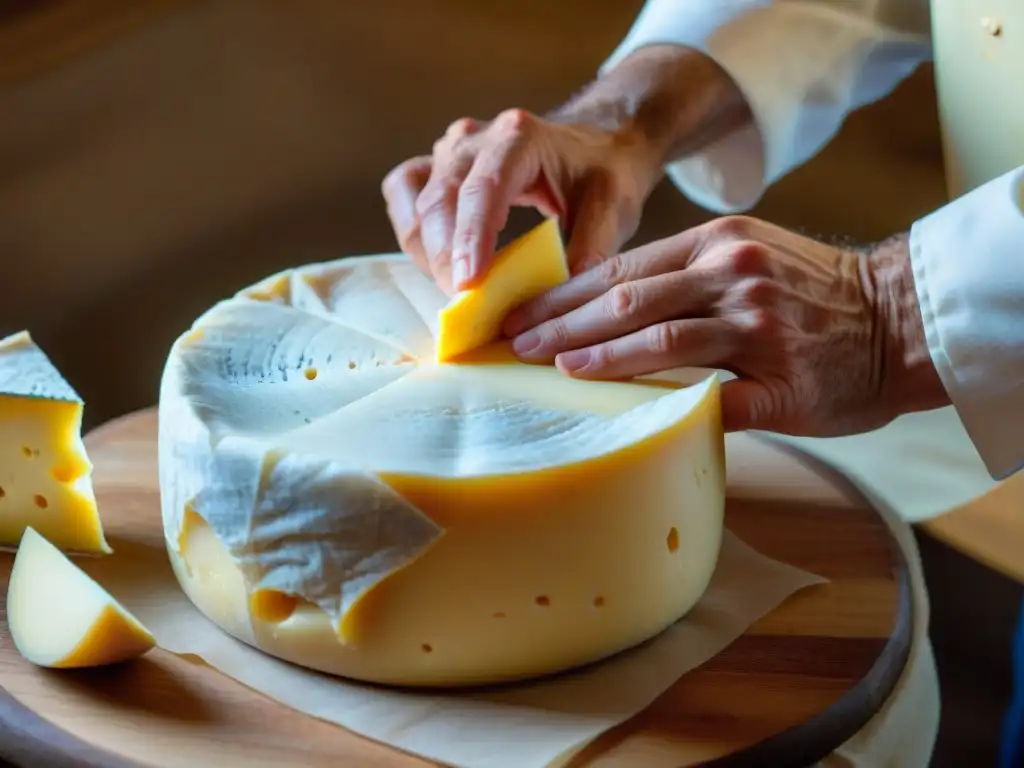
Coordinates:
(522, 270)
(45, 472)
(61, 618)
(461, 523)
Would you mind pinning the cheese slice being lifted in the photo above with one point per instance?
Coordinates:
(61, 618)
(335, 497)
(45, 473)
(522, 270)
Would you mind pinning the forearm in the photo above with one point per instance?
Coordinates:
(672, 99)
(951, 296)
(909, 380)
(802, 67)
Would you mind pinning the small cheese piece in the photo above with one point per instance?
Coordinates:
(335, 497)
(45, 473)
(523, 270)
(60, 618)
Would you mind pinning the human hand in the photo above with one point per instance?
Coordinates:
(823, 341)
(448, 209)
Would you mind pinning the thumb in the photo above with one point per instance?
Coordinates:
(747, 404)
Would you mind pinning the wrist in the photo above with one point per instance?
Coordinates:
(909, 379)
(663, 102)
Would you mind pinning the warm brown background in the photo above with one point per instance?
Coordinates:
(156, 155)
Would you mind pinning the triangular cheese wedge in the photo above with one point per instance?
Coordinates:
(61, 618)
(522, 270)
(45, 473)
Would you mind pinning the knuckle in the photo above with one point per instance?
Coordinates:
(401, 175)
(613, 271)
(760, 321)
(515, 120)
(438, 194)
(758, 292)
(663, 339)
(623, 302)
(462, 127)
(748, 258)
(477, 187)
(729, 226)
(555, 333)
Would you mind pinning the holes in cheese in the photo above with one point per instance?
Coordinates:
(60, 618)
(672, 540)
(406, 502)
(272, 606)
(47, 479)
(522, 270)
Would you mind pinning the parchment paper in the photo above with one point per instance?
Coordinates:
(526, 726)
(919, 466)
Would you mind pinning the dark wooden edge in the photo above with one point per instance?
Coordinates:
(816, 738)
(34, 741)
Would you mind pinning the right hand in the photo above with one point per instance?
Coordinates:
(448, 208)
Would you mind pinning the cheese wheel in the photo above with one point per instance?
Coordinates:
(335, 497)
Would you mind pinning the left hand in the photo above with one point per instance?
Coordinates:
(802, 324)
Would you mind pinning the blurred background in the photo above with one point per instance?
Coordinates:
(157, 155)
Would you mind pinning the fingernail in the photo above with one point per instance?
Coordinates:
(575, 360)
(460, 271)
(527, 343)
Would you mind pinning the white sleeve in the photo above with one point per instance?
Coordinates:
(968, 260)
(803, 66)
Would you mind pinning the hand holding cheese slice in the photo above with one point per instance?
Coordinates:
(335, 497)
(523, 270)
(60, 618)
(45, 473)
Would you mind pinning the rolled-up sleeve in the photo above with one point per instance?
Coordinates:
(968, 260)
(803, 66)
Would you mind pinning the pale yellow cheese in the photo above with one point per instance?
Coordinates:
(61, 618)
(524, 269)
(334, 497)
(45, 473)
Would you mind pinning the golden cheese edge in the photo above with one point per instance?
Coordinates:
(61, 618)
(524, 269)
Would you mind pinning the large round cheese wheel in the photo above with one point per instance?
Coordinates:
(335, 498)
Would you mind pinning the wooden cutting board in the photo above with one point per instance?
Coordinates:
(793, 688)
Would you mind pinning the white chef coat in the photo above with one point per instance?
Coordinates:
(803, 66)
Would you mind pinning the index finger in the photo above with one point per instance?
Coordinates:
(499, 175)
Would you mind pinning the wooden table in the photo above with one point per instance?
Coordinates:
(798, 684)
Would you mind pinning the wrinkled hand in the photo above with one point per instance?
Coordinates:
(802, 324)
(448, 208)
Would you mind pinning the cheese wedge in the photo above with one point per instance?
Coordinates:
(335, 497)
(60, 618)
(45, 473)
(524, 269)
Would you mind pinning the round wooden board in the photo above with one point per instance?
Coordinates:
(793, 688)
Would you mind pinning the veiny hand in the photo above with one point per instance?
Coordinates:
(447, 209)
(814, 333)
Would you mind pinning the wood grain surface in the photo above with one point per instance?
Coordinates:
(989, 529)
(800, 682)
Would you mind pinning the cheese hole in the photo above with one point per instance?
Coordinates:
(311, 373)
(41, 501)
(27, 451)
(542, 600)
(427, 648)
(598, 601)
(272, 606)
(499, 615)
(63, 473)
(672, 540)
